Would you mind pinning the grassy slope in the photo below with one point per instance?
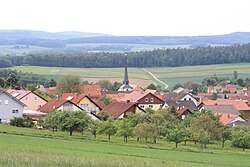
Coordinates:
(171, 76)
(27, 147)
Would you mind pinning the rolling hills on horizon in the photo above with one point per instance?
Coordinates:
(16, 42)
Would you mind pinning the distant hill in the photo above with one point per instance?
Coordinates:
(24, 34)
(23, 42)
(193, 41)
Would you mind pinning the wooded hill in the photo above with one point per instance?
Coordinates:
(156, 58)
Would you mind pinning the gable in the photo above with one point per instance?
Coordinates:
(150, 99)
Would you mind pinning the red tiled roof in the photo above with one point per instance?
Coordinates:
(239, 105)
(91, 90)
(226, 118)
(51, 90)
(101, 104)
(182, 111)
(116, 109)
(116, 97)
(19, 94)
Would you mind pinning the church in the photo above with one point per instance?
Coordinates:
(126, 87)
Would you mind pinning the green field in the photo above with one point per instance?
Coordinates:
(171, 76)
(28, 147)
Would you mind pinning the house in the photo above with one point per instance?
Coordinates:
(32, 100)
(93, 91)
(119, 110)
(10, 107)
(183, 112)
(223, 87)
(182, 96)
(181, 104)
(63, 103)
(227, 119)
(83, 101)
(228, 113)
(144, 100)
(239, 105)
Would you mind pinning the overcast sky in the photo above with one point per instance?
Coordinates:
(128, 17)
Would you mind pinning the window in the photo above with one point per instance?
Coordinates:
(150, 106)
(85, 106)
(39, 106)
(142, 106)
(0, 102)
(6, 102)
(185, 99)
(35, 98)
(15, 111)
(146, 100)
(189, 98)
(27, 98)
(151, 99)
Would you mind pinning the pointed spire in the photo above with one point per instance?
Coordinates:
(126, 81)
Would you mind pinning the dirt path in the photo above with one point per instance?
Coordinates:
(166, 86)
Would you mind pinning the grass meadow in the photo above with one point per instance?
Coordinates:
(171, 76)
(29, 147)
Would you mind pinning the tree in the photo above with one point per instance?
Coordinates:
(105, 100)
(225, 135)
(108, 128)
(13, 81)
(31, 87)
(93, 126)
(235, 75)
(52, 120)
(151, 86)
(116, 86)
(105, 84)
(52, 83)
(145, 130)
(177, 86)
(69, 84)
(2, 83)
(205, 126)
(241, 137)
(175, 135)
(104, 116)
(240, 82)
(16, 121)
(214, 96)
(73, 120)
(124, 129)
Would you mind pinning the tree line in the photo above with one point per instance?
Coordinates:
(156, 58)
(202, 127)
(14, 79)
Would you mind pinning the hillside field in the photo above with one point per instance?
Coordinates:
(170, 76)
(28, 147)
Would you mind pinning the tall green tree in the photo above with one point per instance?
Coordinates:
(124, 129)
(241, 137)
(108, 128)
(175, 135)
(69, 84)
(13, 81)
(73, 120)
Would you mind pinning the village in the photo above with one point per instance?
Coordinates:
(232, 104)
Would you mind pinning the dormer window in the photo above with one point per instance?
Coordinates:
(151, 99)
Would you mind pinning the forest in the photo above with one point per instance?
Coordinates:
(156, 58)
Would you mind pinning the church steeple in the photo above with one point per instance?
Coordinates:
(126, 81)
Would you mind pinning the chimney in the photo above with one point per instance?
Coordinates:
(128, 101)
(228, 115)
